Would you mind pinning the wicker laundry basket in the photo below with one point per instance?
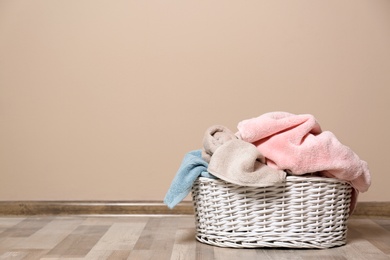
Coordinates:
(303, 212)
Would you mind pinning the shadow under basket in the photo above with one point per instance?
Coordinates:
(303, 212)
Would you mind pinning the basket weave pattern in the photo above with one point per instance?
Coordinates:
(303, 212)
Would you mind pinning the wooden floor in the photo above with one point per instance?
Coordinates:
(161, 237)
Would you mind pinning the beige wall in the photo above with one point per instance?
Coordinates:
(100, 100)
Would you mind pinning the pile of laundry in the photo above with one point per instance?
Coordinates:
(264, 151)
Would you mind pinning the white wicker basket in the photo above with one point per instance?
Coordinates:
(303, 212)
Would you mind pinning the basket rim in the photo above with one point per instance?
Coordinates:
(289, 178)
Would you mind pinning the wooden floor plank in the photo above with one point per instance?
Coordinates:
(119, 255)
(26, 227)
(222, 253)
(384, 223)
(96, 220)
(184, 246)
(373, 233)
(120, 236)
(79, 242)
(7, 243)
(35, 254)
(145, 240)
(163, 237)
(14, 255)
(204, 251)
(7, 222)
(141, 254)
(50, 235)
(278, 254)
(164, 240)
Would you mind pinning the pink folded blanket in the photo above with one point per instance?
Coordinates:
(297, 144)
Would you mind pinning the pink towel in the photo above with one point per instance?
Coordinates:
(297, 144)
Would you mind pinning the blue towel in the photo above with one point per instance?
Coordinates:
(190, 169)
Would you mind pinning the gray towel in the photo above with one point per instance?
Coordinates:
(239, 162)
(214, 137)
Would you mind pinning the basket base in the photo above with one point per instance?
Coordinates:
(271, 244)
